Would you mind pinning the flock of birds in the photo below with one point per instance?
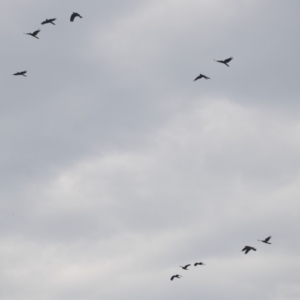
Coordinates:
(72, 18)
(246, 249)
(35, 33)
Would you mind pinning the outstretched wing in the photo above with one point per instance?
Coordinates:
(45, 22)
(268, 238)
(251, 248)
(198, 77)
(228, 60)
(52, 20)
(20, 73)
(173, 277)
(187, 266)
(36, 32)
(74, 15)
(245, 248)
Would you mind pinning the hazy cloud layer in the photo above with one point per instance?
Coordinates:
(116, 167)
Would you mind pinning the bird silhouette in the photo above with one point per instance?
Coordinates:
(48, 21)
(199, 264)
(201, 76)
(185, 267)
(266, 240)
(225, 61)
(20, 73)
(34, 34)
(74, 15)
(248, 248)
(175, 276)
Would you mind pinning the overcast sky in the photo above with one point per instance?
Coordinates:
(117, 168)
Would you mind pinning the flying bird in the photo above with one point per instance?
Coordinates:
(185, 267)
(266, 240)
(225, 61)
(20, 73)
(248, 248)
(48, 21)
(199, 264)
(175, 276)
(74, 15)
(201, 76)
(34, 34)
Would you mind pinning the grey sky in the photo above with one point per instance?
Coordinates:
(116, 167)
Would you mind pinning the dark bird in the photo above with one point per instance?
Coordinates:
(225, 61)
(185, 267)
(201, 76)
(20, 73)
(199, 264)
(248, 248)
(34, 34)
(74, 15)
(48, 21)
(175, 276)
(266, 240)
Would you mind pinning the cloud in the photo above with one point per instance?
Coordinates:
(117, 167)
(136, 216)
